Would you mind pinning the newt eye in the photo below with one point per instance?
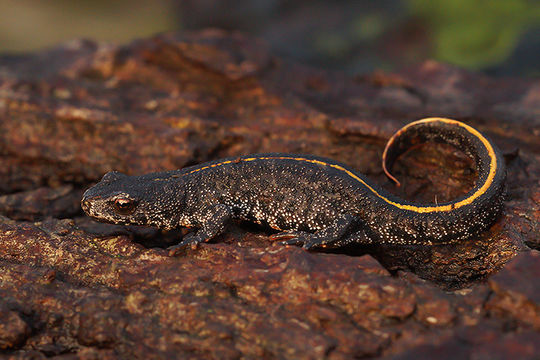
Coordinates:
(124, 206)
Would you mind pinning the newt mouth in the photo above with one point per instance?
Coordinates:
(85, 205)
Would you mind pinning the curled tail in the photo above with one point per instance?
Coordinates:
(458, 219)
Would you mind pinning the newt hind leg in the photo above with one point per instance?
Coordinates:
(339, 234)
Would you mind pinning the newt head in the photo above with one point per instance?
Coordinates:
(130, 200)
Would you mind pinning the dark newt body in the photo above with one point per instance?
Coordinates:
(318, 202)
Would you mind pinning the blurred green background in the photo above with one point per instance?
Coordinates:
(499, 37)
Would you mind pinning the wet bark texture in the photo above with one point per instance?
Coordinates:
(82, 290)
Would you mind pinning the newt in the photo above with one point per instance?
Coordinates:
(313, 201)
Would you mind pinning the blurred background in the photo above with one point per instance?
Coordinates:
(498, 37)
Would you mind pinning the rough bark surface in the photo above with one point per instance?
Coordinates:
(82, 290)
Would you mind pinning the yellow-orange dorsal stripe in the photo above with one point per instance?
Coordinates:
(415, 208)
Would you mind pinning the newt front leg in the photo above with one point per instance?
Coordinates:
(216, 222)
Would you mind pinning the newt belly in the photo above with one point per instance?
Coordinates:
(314, 201)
